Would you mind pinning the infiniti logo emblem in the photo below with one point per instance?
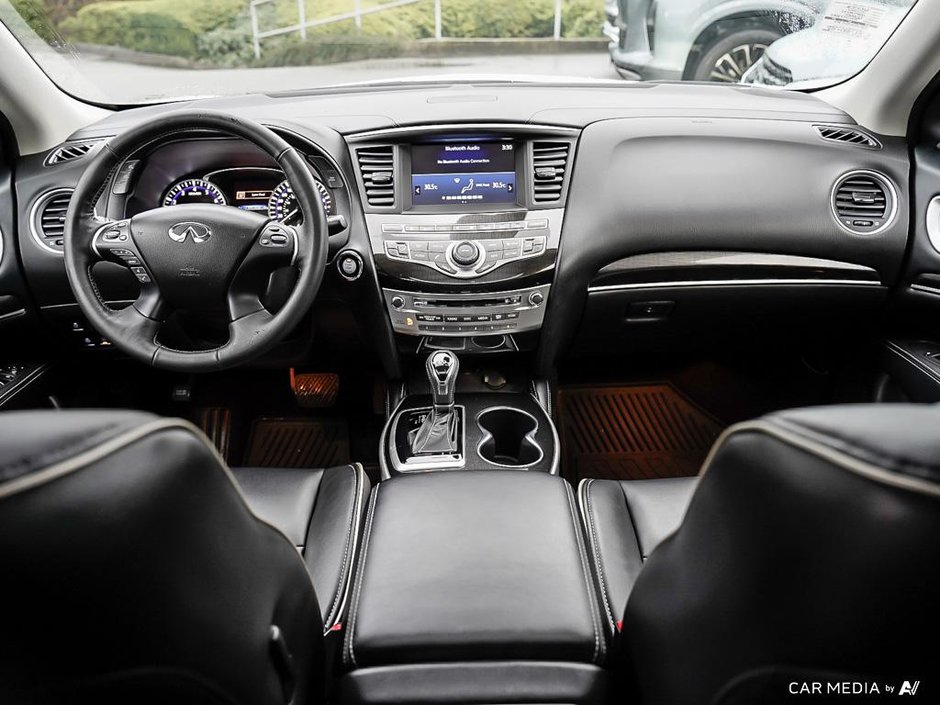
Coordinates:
(197, 231)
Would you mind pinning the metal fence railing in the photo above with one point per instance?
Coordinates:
(357, 13)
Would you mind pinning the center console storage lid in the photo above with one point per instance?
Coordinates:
(463, 566)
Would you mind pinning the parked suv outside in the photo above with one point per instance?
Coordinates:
(702, 40)
(838, 45)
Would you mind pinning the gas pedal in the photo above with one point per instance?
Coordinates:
(216, 423)
(315, 390)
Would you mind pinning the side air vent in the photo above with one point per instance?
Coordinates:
(377, 167)
(848, 135)
(549, 164)
(47, 219)
(864, 202)
(70, 151)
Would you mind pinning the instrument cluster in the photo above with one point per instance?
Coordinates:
(260, 189)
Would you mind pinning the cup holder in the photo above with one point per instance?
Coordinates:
(508, 437)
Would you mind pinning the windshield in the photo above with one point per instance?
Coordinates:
(141, 51)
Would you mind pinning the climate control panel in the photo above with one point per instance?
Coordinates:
(464, 246)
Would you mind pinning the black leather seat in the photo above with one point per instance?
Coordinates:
(808, 553)
(134, 569)
(321, 512)
(624, 522)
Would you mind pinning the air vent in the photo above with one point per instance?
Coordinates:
(70, 151)
(48, 219)
(848, 135)
(377, 167)
(549, 163)
(864, 202)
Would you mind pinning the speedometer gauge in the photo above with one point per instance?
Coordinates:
(283, 203)
(194, 191)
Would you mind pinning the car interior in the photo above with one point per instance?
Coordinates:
(485, 391)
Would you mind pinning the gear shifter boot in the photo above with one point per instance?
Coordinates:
(437, 435)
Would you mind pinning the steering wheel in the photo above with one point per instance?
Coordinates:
(208, 259)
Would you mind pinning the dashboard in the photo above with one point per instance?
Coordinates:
(539, 218)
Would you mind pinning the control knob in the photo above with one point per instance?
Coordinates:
(465, 254)
(536, 298)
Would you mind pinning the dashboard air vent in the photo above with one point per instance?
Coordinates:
(864, 202)
(48, 219)
(549, 163)
(848, 135)
(70, 151)
(377, 167)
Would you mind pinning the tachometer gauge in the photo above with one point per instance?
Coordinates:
(283, 203)
(194, 191)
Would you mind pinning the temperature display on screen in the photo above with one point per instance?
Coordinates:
(463, 174)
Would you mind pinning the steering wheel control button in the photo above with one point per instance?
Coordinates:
(350, 266)
(275, 236)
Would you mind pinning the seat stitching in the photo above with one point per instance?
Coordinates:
(589, 584)
(349, 530)
(828, 453)
(853, 447)
(595, 550)
(360, 579)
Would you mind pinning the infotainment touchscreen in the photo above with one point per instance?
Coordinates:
(466, 173)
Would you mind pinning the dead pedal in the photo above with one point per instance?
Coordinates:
(315, 390)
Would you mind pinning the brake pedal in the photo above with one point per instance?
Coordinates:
(315, 390)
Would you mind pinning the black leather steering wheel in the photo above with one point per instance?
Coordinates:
(200, 258)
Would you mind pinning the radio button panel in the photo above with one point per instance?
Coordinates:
(466, 314)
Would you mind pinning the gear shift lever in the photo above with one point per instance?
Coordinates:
(442, 368)
(437, 434)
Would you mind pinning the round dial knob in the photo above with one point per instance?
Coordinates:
(466, 254)
(536, 298)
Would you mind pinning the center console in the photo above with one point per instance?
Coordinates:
(473, 588)
(464, 226)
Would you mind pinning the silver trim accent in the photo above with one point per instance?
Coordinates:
(734, 282)
(671, 259)
(34, 212)
(933, 222)
(890, 190)
(529, 437)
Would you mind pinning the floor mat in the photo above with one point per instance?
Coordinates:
(632, 432)
(298, 443)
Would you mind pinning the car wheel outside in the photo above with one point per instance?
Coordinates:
(728, 57)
